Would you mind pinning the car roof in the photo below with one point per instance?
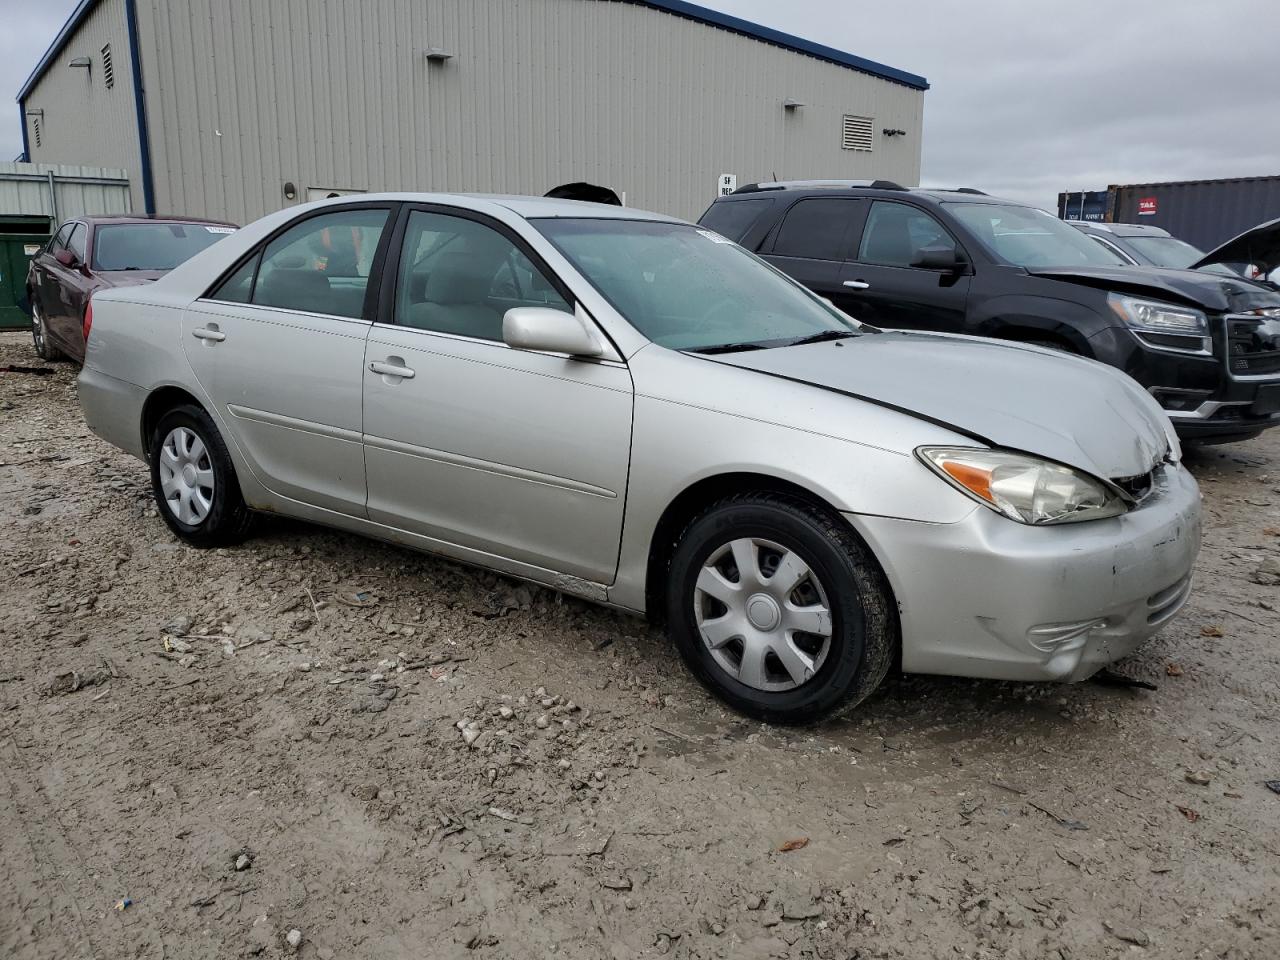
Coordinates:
(1121, 229)
(864, 188)
(99, 219)
(530, 208)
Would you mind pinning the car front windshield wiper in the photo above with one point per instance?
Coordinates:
(728, 348)
(822, 337)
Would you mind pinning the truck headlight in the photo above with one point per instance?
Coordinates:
(1023, 488)
(1165, 326)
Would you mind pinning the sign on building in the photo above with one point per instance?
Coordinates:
(728, 183)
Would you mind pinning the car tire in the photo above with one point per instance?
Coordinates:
(40, 334)
(194, 480)
(721, 625)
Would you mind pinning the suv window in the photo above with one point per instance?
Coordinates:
(815, 229)
(896, 233)
(459, 276)
(733, 218)
(76, 242)
(321, 265)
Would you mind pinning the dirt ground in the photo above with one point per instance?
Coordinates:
(289, 769)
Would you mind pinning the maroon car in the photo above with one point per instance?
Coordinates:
(90, 253)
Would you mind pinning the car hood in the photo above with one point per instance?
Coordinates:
(1209, 291)
(128, 278)
(1064, 408)
(1259, 246)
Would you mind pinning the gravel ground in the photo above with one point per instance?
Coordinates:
(320, 746)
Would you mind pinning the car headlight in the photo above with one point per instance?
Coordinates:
(1163, 325)
(1023, 488)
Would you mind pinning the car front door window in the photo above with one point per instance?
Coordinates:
(896, 234)
(460, 277)
(76, 242)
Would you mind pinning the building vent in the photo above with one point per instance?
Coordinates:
(35, 122)
(108, 71)
(856, 133)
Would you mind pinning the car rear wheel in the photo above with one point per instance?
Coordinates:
(40, 334)
(779, 609)
(194, 480)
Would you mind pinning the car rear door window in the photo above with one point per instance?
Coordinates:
(60, 238)
(896, 233)
(459, 276)
(322, 264)
(816, 229)
(76, 242)
(733, 218)
(238, 287)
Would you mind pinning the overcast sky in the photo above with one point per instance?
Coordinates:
(1028, 97)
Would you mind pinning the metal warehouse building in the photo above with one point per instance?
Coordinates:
(234, 108)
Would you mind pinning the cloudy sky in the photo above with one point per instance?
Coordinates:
(1028, 97)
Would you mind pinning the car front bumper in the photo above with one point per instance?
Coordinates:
(988, 597)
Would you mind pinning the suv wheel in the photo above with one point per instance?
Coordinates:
(779, 609)
(40, 334)
(194, 480)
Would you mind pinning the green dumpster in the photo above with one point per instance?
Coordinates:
(20, 239)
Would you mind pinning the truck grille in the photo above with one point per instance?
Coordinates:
(1253, 346)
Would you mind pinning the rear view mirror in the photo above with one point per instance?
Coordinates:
(937, 258)
(548, 331)
(65, 257)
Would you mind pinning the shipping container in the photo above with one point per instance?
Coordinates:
(1083, 205)
(1204, 213)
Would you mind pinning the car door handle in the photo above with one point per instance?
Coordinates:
(856, 284)
(392, 370)
(206, 333)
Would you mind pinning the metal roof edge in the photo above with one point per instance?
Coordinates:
(680, 8)
(78, 16)
(746, 28)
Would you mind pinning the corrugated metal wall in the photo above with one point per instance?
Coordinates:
(244, 95)
(1205, 213)
(77, 191)
(83, 121)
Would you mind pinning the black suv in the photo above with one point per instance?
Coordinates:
(958, 261)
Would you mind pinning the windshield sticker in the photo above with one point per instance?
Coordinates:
(221, 229)
(714, 237)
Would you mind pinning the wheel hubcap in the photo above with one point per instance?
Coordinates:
(186, 475)
(763, 614)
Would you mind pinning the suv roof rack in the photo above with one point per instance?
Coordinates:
(819, 185)
(981, 193)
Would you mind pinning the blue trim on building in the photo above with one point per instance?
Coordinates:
(746, 28)
(140, 104)
(26, 143)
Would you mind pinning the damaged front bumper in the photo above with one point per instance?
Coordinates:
(987, 597)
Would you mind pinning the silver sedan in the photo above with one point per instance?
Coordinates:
(630, 409)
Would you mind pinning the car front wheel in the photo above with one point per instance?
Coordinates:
(779, 609)
(194, 480)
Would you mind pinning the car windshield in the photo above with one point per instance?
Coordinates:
(689, 288)
(1029, 237)
(1166, 251)
(152, 246)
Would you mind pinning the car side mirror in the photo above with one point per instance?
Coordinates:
(548, 331)
(938, 258)
(65, 257)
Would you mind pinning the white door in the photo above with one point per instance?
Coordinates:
(515, 454)
(280, 348)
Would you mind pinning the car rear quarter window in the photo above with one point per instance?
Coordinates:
(816, 229)
(733, 218)
(76, 242)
